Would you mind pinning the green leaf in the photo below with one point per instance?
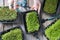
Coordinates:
(15, 34)
(32, 22)
(53, 32)
(7, 14)
(50, 6)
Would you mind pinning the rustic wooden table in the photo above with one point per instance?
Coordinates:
(28, 36)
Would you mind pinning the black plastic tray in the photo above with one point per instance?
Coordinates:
(48, 27)
(17, 20)
(24, 16)
(53, 14)
(10, 21)
(1, 33)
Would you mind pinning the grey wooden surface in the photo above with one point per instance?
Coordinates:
(29, 36)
